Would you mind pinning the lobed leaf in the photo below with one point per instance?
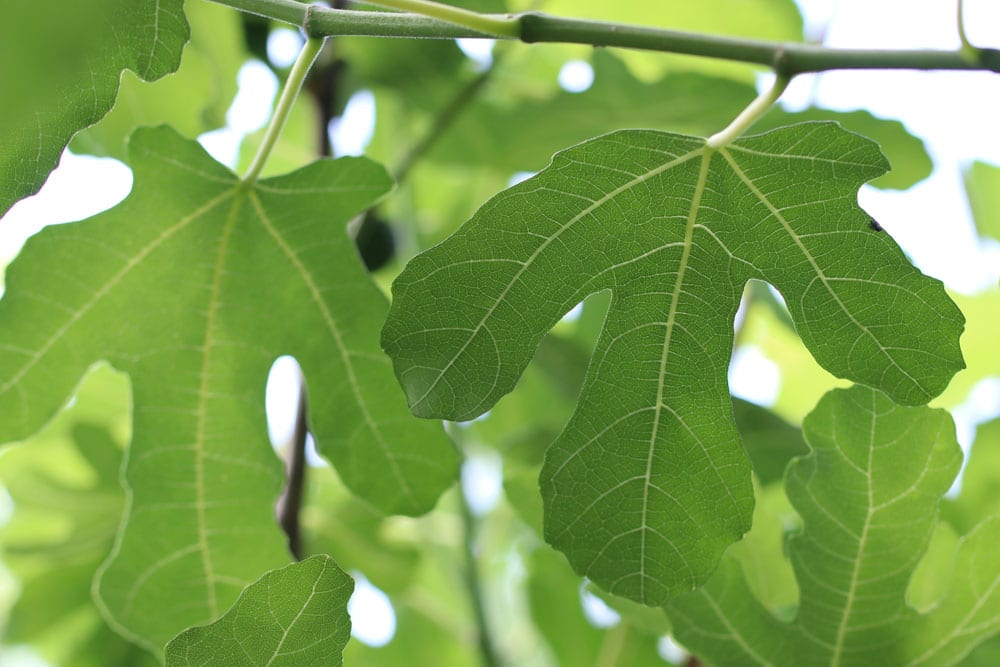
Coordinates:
(60, 66)
(293, 616)
(648, 484)
(867, 494)
(193, 286)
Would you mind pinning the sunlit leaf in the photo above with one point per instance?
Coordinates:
(980, 494)
(979, 344)
(648, 484)
(295, 616)
(193, 286)
(60, 71)
(982, 187)
(67, 506)
(867, 494)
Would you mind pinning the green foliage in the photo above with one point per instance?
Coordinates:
(867, 494)
(647, 485)
(214, 241)
(296, 615)
(135, 347)
(982, 185)
(79, 57)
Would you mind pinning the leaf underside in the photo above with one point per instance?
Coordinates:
(60, 69)
(295, 616)
(194, 285)
(648, 484)
(868, 494)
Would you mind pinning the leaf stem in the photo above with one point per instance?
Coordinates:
(786, 58)
(754, 110)
(968, 51)
(289, 93)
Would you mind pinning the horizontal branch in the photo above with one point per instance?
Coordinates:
(785, 58)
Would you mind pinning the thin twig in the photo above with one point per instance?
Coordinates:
(445, 118)
(290, 505)
(487, 648)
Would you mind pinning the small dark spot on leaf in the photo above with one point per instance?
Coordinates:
(873, 223)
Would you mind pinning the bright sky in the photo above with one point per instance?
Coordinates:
(955, 114)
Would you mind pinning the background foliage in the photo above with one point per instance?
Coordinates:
(135, 348)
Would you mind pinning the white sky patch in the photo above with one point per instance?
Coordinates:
(283, 46)
(754, 377)
(574, 314)
(351, 133)
(250, 111)
(671, 651)
(281, 404)
(953, 112)
(373, 619)
(81, 186)
(480, 51)
(519, 177)
(596, 610)
(576, 76)
(482, 480)
(281, 399)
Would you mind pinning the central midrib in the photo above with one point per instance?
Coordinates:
(665, 353)
(862, 540)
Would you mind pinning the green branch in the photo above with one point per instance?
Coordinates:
(785, 58)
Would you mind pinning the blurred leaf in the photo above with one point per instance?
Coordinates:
(149, 298)
(868, 495)
(68, 503)
(193, 100)
(979, 344)
(803, 381)
(931, 579)
(648, 485)
(770, 441)
(354, 534)
(982, 187)
(294, 616)
(523, 136)
(980, 494)
(554, 599)
(60, 67)
(296, 147)
(761, 552)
